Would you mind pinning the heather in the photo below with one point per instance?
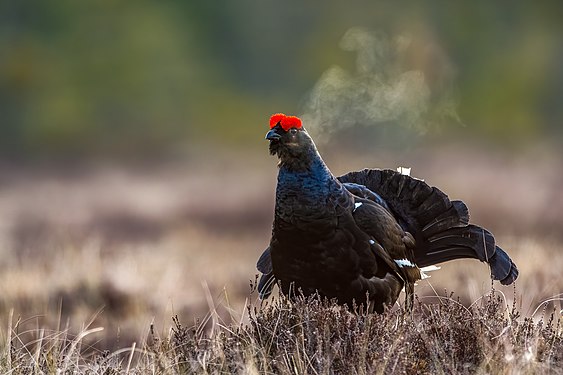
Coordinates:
(315, 336)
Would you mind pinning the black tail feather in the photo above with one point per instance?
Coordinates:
(267, 279)
(473, 237)
(455, 216)
(435, 205)
(502, 267)
(471, 241)
(441, 227)
(264, 263)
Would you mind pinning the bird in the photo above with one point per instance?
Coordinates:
(363, 237)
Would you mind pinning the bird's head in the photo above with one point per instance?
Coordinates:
(288, 139)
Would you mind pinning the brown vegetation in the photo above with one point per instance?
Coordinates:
(125, 249)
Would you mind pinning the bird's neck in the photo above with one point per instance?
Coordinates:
(306, 184)
(305, 169)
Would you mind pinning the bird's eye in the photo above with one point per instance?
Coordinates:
(293, 131)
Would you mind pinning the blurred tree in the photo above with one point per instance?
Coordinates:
(138, 77)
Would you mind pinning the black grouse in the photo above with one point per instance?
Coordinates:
(364, 236)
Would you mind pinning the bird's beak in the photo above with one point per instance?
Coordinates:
(272, 135)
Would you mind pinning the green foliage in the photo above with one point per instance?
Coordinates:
(94, 77)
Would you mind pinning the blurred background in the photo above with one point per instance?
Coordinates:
(135, 182)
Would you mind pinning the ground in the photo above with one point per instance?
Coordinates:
(127, 247)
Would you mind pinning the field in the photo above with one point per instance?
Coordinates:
(96, 260)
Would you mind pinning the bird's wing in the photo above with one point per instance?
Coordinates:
(264, 263)
(363, 192)
(416, 205)
(388, 239)
(267, 279)
(439, 225)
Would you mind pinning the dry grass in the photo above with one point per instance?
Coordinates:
(313, 336)
(125, 249)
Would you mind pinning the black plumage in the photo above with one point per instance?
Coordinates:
(362, 237)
